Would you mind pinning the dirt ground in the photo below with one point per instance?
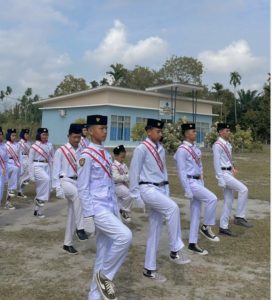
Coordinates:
(34, 266)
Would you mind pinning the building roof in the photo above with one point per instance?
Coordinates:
(101, 89)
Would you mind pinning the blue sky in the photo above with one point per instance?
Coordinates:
(43, 40)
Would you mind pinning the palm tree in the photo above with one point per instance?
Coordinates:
(218, 87)
(118, 72)
(235, 79)
(104, 81)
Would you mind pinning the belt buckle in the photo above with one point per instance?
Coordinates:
(160, 184)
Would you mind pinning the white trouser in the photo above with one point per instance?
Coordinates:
(113, 239)
(24, 174)
(42, 180)
(123, 196)
(74, 215)
(13, 175)
(2, 183)
(232, 184)
(200, 194)
(161, 207)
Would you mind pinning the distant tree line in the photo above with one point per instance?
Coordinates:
(249, 109)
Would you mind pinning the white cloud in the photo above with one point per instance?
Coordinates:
(116, 48)
(235, 57)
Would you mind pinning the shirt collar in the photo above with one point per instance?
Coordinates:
(156, 146)
(100, 147)
(223, 140)
(188, 143)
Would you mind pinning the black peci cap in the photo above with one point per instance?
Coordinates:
(75, 128)
(151, 123)
(187, 126)
(97, 120)
(221, 126)
(11, 130)
(42, 130)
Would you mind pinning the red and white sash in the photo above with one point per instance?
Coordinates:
(100, 159)
(70, 157)
(25, 146)
(226, 150)
(195, 157)
(13, 154)
(40, 151)
(155, 154)
(2, 163)
(82, 143)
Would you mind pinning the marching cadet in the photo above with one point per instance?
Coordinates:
(14, 165)
(84, 141)
(65, 182)
(225, 173)
(190, 171)
(149, 182)
(121, 179)
(100, 211)
(25, 146)
(40, 160)
(3, 164)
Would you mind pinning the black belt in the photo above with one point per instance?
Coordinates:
(226, 169)
(72, 177)
(154, 183)
(10, 157)
(42, 161)
(194, 177)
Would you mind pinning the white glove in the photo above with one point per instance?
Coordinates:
(89, 227)
(188, 195)
(221, 183)
(60, 193)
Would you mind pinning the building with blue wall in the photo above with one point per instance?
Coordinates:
(124, 108)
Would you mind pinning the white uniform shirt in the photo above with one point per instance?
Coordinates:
(14, 153)
(144, 167)
(95, 184)
(65, 164)
(188, 162)
(3, 157)
(222, 156)
(40, 152)
(25, 146)
(120, 173)
(84, 142)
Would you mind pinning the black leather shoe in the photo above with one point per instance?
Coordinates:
(70, 249)
(81, 234)
(242, 222)
(227, 232)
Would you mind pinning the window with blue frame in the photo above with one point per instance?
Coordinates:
(120, 128)
(202, 129)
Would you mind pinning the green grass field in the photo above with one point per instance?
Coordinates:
(33, 266)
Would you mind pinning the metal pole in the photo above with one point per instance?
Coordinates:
(172, 103)
(175, 103)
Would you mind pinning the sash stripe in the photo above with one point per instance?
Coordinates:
(156, 156)
(193, 154)
(73, 165)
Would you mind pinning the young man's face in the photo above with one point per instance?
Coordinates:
(155, 134)
(13, 137)
(26, 136)
(120, 157)
(225, 133)
(190, 134)
(84, 132)
(74, 139)
(44, 137)
(98, 132)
